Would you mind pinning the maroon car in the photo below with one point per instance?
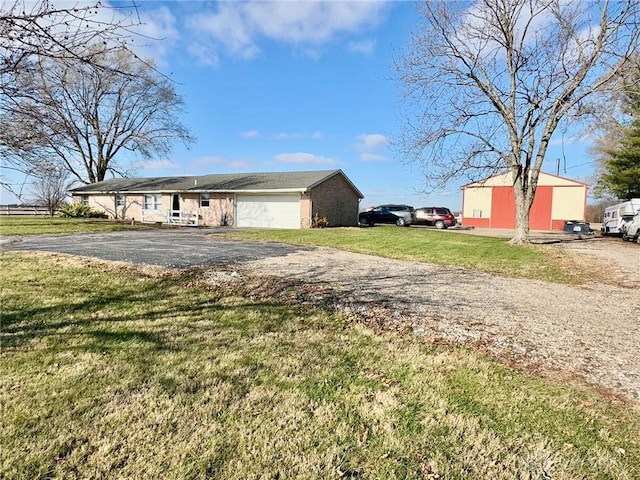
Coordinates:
(439, 217)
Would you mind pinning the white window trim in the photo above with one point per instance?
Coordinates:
(155, 204)
(207, 197)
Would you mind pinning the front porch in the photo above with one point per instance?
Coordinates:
(172, 217)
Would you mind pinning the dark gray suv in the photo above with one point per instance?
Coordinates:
(400, 215)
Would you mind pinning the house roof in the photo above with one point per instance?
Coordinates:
(266, 182)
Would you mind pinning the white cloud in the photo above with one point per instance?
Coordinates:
(229, 27)
(303, 158)
(251, 134)
(238, 26)
(158, 33)
(368, 141)
(370, 146)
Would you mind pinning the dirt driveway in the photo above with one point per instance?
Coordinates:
(587, 334)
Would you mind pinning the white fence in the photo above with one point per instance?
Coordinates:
(28, 210)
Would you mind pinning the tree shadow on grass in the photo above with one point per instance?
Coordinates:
(169, 323)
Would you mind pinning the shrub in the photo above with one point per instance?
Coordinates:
(80, 210)
(319, 222)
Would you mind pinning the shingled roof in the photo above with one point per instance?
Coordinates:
(222, 183)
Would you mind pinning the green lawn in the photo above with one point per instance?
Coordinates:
(116, 372)
(32, 225)
(489, 254)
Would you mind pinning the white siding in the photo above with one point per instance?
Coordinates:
(477, 200)
(568, 203)
(271, 211)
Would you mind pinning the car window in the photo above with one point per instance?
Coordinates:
(442, 211)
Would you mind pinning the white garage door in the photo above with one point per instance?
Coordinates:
(273, 211)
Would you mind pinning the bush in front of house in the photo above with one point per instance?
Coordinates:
(80, 210)
(319, 222)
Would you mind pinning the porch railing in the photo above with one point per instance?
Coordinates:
(183, 217)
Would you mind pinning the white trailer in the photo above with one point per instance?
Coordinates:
(617, 216)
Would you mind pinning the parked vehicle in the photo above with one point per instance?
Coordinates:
(400, 215)
(618, 216)
(577, 227)
(440, 217)
(632, 230)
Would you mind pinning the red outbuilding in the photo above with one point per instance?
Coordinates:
(490, 203)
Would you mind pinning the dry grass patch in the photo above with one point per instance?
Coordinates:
(111, 372)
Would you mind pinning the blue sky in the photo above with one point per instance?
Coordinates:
(284, 86)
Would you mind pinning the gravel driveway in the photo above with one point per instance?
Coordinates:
(589, 333)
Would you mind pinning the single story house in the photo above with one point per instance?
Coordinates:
(490, 203)
(275, 200)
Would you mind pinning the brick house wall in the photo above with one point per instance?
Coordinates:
(220, 204)
(336, 200)
(132, 208)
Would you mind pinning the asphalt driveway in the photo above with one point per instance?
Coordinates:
(180, 248)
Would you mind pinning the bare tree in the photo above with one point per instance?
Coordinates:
(489, 84)
(51, 187)
(91, 120)
(30, 29)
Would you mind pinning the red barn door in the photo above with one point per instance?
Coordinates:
(540, 215)
(503, 208)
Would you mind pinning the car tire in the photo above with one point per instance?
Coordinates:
(364, 222)
(401, 222)
(440, 225)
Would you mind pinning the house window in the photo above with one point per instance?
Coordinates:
(153, 202)
(204, 199)
(84, 199)
(119, 200)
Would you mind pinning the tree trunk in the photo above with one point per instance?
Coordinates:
(523, 201)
